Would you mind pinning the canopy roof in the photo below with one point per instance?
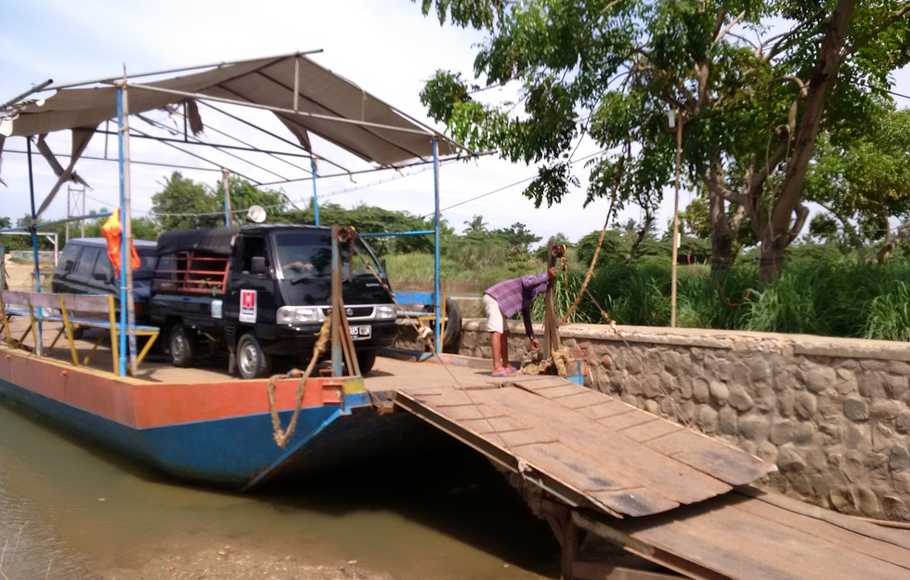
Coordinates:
(327, 105)
(218, 241)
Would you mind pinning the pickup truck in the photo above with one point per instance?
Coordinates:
(263, 291)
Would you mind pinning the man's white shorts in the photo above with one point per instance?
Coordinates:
(494, 314)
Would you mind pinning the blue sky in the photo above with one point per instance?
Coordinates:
(387, 47)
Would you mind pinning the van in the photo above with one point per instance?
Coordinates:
(262, 292)
(85, 268)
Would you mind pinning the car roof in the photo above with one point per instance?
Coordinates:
(101, 242)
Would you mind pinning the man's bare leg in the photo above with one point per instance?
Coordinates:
(504, 349)
(496, 343)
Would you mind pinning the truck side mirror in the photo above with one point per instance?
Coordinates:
(257, 265)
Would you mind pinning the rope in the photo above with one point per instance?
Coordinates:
(282, 436)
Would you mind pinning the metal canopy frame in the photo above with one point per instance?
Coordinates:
(124, 133)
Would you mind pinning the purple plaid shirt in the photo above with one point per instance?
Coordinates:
(517, 294)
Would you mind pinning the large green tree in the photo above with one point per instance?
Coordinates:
(863, 184)
(752, 82)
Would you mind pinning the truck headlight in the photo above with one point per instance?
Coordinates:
(294, 315)
(386, 312)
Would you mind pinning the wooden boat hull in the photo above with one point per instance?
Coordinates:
(212, 433)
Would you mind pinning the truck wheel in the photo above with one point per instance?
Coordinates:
(180, 345)
(451, 340)
(366, 359)
(252, 362)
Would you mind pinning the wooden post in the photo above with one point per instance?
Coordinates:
(675, 241)
(551, 321)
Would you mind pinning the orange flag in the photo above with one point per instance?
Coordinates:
(111, 232)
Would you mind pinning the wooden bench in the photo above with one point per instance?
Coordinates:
(74, 311)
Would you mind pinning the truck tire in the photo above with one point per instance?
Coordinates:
(451, 340)
(366, 359)
(180, 345)
(252, 361)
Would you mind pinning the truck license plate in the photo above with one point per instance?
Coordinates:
(361, 332)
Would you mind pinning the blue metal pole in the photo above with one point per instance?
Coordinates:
(315, 195)
(39, 334)
(396, 234)
(124, 249)
(437, 262)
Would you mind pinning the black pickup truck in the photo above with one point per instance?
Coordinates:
(263, 291)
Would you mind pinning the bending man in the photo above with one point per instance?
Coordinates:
(505, 300)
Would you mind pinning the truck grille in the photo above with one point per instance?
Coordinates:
(353, 311)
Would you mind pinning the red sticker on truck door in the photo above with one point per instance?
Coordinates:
(247, 306)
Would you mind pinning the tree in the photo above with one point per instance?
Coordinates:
(752, 98)
(862, 181)
(519, 239)
(476, 226)
(543, 252)
(181, 200)
(244, 195)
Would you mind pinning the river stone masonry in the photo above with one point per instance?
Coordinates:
(833, 414)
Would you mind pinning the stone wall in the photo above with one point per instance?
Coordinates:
(834, 414)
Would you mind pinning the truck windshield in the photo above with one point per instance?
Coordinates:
(309, 255)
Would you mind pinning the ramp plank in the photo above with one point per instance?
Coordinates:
(729, 464)
(608, 455)
(720, 535)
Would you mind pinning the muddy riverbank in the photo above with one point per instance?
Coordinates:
(71, 510)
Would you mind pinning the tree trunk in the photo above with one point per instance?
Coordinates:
(776, 235)
(771, 258)
(721, 237)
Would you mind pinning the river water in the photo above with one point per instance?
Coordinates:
(71, 510)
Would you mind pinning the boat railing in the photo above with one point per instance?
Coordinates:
(73, 312)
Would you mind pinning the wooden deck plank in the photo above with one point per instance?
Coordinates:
(609, 455)
(721, 537)
(607, 409)
(618, 490)
(586, 398)
(727, 463)
(627, 420)
(534, 384)
(843, 538)
(651, 430)
(559, 391)
(899, 538)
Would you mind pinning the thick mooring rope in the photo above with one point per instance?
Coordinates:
(282, 436)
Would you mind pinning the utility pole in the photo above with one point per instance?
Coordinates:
(75, 205)
(226, 185)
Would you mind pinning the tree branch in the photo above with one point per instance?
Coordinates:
(719, 34)
(860, 43)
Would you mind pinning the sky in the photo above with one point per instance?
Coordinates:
(389, 48)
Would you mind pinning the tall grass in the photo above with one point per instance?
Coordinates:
(828, 295)
(889, 314)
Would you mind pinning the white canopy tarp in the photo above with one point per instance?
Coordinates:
(268, 82)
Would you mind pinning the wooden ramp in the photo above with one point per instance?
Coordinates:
(668, 494)
(749, 534)
(586, 448)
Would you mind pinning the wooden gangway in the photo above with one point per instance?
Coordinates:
(661, 491)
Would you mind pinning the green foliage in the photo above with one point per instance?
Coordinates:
(181, 196)
(612, 70)
(889, 314)
(863, 180)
